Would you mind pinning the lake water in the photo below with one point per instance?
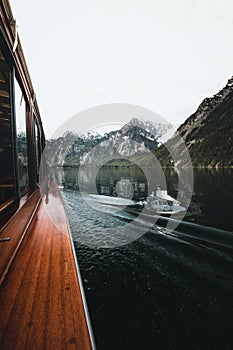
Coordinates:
(165, 290)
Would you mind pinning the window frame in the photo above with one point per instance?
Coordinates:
(10, 201)
(9, 206)
(37, 146)
(27, 117)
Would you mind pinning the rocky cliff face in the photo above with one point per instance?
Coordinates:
(135, 138)
(57, 149)
(208, 133)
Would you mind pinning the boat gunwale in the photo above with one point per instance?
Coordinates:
(84, 301)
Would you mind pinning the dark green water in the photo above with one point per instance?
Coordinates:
(166, 290)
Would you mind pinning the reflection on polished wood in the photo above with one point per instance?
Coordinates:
(16, 229)
(41, 305)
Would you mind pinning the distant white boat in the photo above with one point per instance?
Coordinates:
(162, 203)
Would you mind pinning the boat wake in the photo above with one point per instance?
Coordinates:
(169, 282)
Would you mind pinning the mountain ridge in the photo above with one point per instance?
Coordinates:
(207, 133)
(135, 138)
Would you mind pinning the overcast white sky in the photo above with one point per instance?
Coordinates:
(165, 55)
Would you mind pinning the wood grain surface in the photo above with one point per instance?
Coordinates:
(41, 305)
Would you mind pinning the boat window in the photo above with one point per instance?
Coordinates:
(7, 176)
(37, 149)
(21, 114)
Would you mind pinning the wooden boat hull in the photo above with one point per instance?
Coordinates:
(42, 301)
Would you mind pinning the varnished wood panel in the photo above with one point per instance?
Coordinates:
(15, 230)
(40, 300)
